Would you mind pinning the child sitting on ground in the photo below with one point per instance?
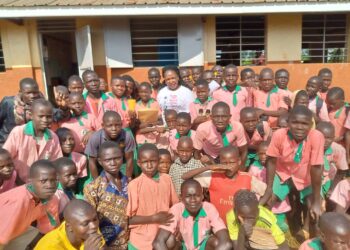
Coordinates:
(23, 205)
(150, 197)
(165, 161)
(252, 226)
(334, 233)
(8, 173)
(108, 194)
(224, 180)
(197, 222)
(255, 132)
(184, 163)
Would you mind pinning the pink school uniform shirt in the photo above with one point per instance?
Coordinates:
(256, 138)
(260, 100)
(80, 126)
(148, 196)
(284, 148)
(175, 136)
(24, 151)
(122, 108)
(338, 119)
(19, 211)
(243, 99)
(341, 194)
(9, 184)
(211, 141)
(152, 136)
(259, 172)
(80, 161)
(336, 160)
(323, 111)
(197, 108)
(105, 103)
(208, 221)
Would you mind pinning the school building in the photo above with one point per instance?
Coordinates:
(50, 40)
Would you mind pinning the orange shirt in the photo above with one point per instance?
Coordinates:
(338, 118)
(260, 100)
(18, 212)
(25, 150)
(148, 196)
(223, 189)
(284, 148)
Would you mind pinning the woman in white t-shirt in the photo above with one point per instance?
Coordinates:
(174, 96)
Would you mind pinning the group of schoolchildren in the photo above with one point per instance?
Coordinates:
(233, 160)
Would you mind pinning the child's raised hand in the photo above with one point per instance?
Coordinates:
(94, 242)
(86, 137)
(163, 218)
(160, 129)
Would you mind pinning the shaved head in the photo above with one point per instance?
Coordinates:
(77, 208)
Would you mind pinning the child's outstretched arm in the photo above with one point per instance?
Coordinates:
(316, 181)
(162, 218)
(192, 173)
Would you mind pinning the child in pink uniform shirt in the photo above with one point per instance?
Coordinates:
(34, 140)
(236, 96)
(326, 76)
(334, 233)
(150, 197)
(316, 104)
(118, 94)
(269, 99)
(255, 132)
(335, 165)
(81, 123)
(282, 80)
(201, 107)
(67, 143)
(7, 171)
(182, 128)
(97, 102)
(338, 111)
(148, 131)
(154, 79)
(198, 223)
(341, 196)
(219, 132)
(295, 161)
(23, 205)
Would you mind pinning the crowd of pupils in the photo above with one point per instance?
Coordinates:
(234, 160)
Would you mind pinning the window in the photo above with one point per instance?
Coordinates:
(324, 38)
(240, 40)
(154, 42)
(2, 60)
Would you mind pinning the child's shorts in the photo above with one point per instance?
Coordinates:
(281, 190)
